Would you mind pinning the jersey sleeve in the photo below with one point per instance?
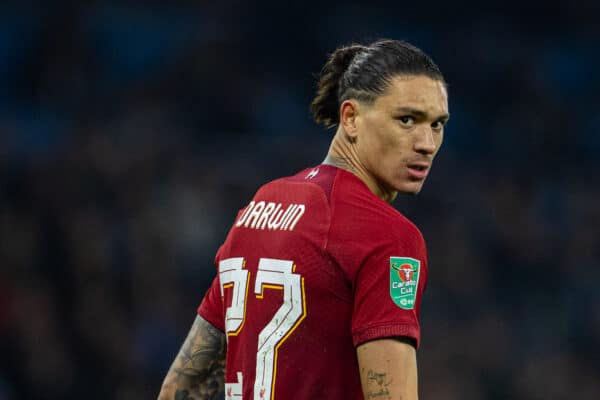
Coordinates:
(388, 288)
(211, 308)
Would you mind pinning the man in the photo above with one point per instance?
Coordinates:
(320, 280)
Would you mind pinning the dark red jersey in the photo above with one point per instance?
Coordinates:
(312, 267)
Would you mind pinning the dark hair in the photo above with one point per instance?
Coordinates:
(364, 72)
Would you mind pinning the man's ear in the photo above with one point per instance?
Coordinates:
(349, 110)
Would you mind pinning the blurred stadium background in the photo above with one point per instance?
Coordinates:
(132, 132)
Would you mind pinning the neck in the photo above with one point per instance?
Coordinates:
(343, 154)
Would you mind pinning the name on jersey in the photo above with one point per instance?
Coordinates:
(271, 216)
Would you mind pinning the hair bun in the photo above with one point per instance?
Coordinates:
(325, 105)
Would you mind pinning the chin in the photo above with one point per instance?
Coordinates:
(412, 188)
(412, 192)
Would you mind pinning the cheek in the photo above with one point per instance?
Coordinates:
(439, 139)
(381, 144)
(389, 151)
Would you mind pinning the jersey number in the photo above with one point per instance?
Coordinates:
(271, 274)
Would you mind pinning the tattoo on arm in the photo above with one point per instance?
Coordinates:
(198, 370)
(203, 348)
(377, 385)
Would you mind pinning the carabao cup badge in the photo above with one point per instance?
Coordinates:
(404, 280)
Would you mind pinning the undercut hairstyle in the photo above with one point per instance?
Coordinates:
(364, 72)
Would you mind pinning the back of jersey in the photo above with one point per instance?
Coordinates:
(285, 306)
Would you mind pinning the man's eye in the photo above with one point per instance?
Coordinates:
(437, 125)
(407, 120)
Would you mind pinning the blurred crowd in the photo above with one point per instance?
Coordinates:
(131, 134)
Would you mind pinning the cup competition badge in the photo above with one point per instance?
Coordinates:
(404, 279)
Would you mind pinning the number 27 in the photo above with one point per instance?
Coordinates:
(272, 274)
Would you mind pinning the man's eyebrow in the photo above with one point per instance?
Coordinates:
(420, 113)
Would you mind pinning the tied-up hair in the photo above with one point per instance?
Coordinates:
(364, 72)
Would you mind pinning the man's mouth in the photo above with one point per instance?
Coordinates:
(418, 169)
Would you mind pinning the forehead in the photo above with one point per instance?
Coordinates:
(419, 92)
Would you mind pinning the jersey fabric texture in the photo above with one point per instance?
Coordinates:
(296, 298)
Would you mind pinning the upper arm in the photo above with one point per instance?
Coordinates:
(202, 350)
(385, 263)
(388, 369)
(199, 365)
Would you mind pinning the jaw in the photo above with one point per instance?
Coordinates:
(412, 187)
(388, 191)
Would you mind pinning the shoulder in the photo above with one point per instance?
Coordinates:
(301, 199)
(319, 178)
(358, 213)
(311, 185)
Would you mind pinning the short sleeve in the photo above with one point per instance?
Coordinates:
(211, 308)
(388, 289)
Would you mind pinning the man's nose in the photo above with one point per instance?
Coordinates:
(424, 143)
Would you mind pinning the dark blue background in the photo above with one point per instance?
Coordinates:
(131, 133)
